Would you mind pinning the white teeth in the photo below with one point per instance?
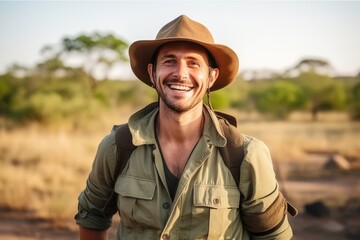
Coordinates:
(180, 88)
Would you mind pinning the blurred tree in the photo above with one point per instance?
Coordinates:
(322, 92)
(5, 96)
(13, 95)
(238, 94)
(318, 66)
(51, 68)
(355, 102)
(54, 68)
(19, 71)
(220, 100)
(98, 51)
(279, 99)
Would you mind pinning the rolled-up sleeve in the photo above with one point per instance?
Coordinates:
(260, 190)
(97, 203)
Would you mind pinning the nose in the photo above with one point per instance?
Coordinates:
(181, 71)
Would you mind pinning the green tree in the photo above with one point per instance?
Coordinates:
(279, 99)
(318, 66)
(98, 50)
(219, 99)
(322, 93)
(5, 96)
(238, 94)
(355, 102)
(13, 95)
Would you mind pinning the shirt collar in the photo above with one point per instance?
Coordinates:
(142, 126)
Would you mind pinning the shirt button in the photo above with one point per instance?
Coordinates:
(83, 213)
(166, 236)
(166, 205)
(216, 201)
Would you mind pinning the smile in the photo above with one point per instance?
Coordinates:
(179, 87)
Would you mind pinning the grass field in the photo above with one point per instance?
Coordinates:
(43, 169)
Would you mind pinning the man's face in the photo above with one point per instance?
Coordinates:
(182, 75)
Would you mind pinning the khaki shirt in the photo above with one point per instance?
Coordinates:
(206, 204)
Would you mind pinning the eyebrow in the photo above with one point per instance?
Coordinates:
(174, 56)
(168, 56)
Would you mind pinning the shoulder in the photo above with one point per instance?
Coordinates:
(254, 146)
(109, 139)
(257, 158)
(107, 148)
(257, 176)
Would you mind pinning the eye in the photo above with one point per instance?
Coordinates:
(169, 62)
(193, 64)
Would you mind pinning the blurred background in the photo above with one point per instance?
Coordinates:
(65, 80)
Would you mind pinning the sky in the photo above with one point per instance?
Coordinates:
(266, 35)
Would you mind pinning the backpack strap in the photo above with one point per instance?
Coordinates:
(233, 152)
(123, 141)
(124, 147)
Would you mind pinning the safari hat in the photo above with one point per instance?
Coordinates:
(184, 29)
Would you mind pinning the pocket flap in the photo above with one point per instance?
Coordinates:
(135, 187)
(215, 196)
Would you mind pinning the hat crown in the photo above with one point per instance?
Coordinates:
(184, 27)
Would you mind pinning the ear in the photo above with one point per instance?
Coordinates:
(213, 75)
(151, 72)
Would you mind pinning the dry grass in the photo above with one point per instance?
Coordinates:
(289, 141)
(44, 169)
(293, 140)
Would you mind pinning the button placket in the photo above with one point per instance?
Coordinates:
(216, 201)
(166, 205)
(165, 236)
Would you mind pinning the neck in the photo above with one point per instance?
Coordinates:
(180, 127)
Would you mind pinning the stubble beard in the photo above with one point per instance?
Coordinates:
(177, 108)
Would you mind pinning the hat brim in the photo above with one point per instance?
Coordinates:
(141, 52)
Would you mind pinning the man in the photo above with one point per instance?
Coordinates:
(175, 184)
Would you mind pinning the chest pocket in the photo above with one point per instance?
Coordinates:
(134, 202)
(218, 197)
(129, 186)
(223, 207)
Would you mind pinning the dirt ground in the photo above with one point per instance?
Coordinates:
(343, 221)
(17, 225)
(22, 226)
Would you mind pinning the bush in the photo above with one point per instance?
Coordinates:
(355, 102)
(279, 99)
(219, 100)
